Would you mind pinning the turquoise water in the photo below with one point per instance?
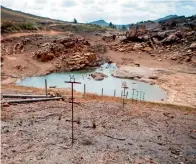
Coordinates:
(109, 84)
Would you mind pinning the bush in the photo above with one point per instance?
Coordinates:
(7, 27)
(27, 26)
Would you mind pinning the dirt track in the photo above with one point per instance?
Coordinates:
(40, 133)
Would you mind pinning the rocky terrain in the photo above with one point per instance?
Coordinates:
(63, 52)
(179, 40)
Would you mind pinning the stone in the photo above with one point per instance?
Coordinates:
(172, 38)
(188, 59)
(122, 50)
(19, 67)
(193, 46)
(161, 35)
(153, 77)
(5, 104)
(137, 64)
(173, 58)
(152, 83)
(147, 49)
(110, 61)
(52, 94)
(98, 76)
(137, 46)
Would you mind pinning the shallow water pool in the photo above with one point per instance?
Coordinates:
(109, 84)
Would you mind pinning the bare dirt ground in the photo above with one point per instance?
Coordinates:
(139, 133)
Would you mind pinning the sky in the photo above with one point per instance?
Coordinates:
(115, 11)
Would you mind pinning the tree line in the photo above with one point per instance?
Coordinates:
(111, 25)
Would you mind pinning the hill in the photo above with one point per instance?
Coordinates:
(14, 15)
(165, 18)
(100, 23)
(105, 24)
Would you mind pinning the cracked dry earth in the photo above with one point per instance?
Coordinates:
(140, 133)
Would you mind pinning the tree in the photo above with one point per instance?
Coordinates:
(110, 24)
(113, 26)
(75, 20)
(124, 28)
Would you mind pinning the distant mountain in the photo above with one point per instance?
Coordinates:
(165, 18)
(100, 23)
(104, 23)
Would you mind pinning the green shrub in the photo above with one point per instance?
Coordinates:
(13, 27)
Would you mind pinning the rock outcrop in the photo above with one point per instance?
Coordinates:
(74, 53)
(193, 46)
(98, 76)
(80, 60)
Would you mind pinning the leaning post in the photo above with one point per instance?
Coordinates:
(84, 90)
(46, 88)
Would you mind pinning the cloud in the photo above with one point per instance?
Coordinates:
(189, 7)
(68, 3)
(115, 11)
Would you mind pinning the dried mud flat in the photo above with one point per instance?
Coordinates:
(139, 133)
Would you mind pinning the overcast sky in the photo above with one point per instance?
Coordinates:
(115, 11)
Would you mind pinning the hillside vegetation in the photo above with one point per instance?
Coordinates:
(13, 15)
(17, 21)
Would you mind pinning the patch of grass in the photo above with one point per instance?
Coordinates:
(78, 27)
(7, 27)
(87, 142)
(89, 28)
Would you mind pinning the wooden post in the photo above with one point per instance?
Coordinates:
(127, 95)
(46, 88)
(84, 89)
(137, 95)
(102, 92)
(140, 95)
(72, 81)
(72, 116)
(114, 92)
(133, 94)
